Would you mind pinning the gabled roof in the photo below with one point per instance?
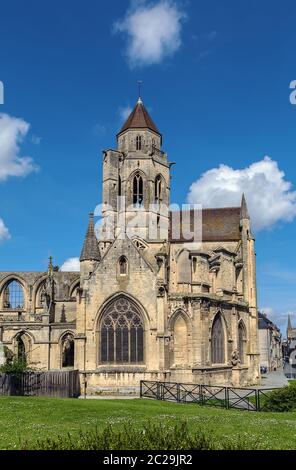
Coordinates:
(90, 250)
(139, 119)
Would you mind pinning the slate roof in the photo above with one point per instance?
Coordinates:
(222, 224)
(139, 119)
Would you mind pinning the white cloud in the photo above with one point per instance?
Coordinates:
(124, 112)
(71, 265)
(12, 133)
(4, 232)
(153, 31)
(269, 196)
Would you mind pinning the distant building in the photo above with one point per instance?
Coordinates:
(270, 343)
(290, 346)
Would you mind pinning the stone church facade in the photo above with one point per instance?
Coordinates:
(159, 296)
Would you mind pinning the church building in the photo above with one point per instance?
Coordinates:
(162, 294)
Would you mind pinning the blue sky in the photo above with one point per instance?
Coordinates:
(216, 81)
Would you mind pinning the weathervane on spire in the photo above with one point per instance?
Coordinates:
(140, 82)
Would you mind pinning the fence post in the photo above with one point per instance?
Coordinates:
(257, 400)
(201, 396)
(158, 391)
(141, 388)
(178, 393)
(227, 398)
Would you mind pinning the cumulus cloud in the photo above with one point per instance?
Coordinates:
(269, 195)
(71, 265)
(153, 31)
(12, 133)
(4, 232)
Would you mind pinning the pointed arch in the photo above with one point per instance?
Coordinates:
(242, 339)
(122, 266)
(183, 267)
(138, 189)
(67, 349)
(180, 337)
(218, 340)
(22, 346)
(13, 295)
(158, 189)
(121, 332)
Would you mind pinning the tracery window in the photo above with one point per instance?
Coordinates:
(13, 296)
(218, 341)
(138, 188)
(122, 333)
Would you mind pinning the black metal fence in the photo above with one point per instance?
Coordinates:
(251, 399)
(59, 384)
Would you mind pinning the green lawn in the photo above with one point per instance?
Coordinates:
(26, 419)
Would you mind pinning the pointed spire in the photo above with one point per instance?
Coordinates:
(50, 266)
(289, 323)
(244, 209)
(139, 119)
(90, 250)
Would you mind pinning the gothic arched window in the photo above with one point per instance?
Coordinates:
(218, 341)
(122, 266)
(241, 341)
(139, 142)
(13, 296)
(21, 349)
(158, 189)
(68, 351)
(122, 333)
(138, 190)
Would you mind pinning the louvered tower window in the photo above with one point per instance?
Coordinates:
(158, 196)
(139, 142)
(138, 195)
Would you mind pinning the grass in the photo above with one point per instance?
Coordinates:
(29, 419)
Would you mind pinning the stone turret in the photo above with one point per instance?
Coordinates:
(90, 254)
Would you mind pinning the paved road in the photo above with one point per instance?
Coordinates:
(273, 380)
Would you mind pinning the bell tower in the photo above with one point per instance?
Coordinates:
(136, 179)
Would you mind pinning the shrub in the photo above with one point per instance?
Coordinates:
(159, 436)
(16, 367)
(283, 399)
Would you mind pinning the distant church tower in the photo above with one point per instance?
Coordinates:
(139, 172)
